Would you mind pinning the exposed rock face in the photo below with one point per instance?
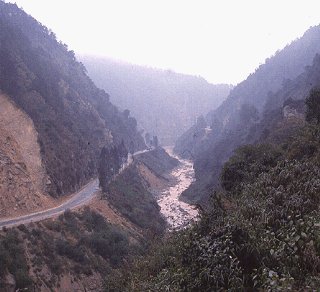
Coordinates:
(22, 176)
(73, 118)
(22, 130)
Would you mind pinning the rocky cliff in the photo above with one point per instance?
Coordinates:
(72, 118)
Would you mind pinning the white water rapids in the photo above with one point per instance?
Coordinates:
(178, 214)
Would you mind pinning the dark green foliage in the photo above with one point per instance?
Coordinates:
(111, 244)
(155, 142)
(92, 220)
(131, 198)
(263, 234)
(104, 239)
(78, 243)
(73, 117)
(128, 192)
(158, 161)
(247, 163)
(64, 248)
(147, 139)
(188, 142)
(248, 113)
(131, 147)
(103, 170)
(313, 106)
(111, 160)
(236, 122)
(12, 259)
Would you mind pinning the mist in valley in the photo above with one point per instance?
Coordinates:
(159, 145)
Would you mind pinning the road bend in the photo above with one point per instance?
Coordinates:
(80, 198)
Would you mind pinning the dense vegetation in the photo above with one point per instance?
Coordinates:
(158, 161)
(128, 194)
(250, 111)
(260, 232)
(73, 117)
(165, 103)
(131, 196)
(12, 259)
(83, 244)
(77, 243)
(111, 161)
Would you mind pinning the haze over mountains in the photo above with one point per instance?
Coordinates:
(55, 128)
(72, 119)
(165, 103)
(232, 124)
(255, 149)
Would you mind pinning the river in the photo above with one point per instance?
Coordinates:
(178, 214)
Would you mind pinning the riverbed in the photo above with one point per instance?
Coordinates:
(177, 213)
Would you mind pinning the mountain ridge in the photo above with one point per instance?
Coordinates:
(233, 120)
(164, 102)
(73, 118)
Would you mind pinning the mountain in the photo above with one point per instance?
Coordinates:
(259, 232)
(165, 103)
(64, 119)
(232, 123)
(260, 228)
(56, 127)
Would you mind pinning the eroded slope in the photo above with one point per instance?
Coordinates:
(22, 176)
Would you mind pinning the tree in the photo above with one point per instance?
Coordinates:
(123, 152)
(102, 171)
(147, 139)
(131, 147)
(126, 113)
(115, 160)
(155, 141)
(201, 122)
(313, 106)
(248, 113)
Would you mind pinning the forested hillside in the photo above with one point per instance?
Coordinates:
(77, 250)
(260, 231)
(165, 103)
(232, 123)
(250, 220)
(72, 117)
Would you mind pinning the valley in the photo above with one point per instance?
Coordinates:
(177, 213)
(91, 199)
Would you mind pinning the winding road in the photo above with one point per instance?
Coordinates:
(80, 198)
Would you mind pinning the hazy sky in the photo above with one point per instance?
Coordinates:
(223, 41)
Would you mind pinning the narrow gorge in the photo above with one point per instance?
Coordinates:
(178, 213)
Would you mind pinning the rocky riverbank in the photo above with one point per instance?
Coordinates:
(177, 213)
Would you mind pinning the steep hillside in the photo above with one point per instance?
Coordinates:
(72, 117)
(232, 123)
(158, 161)
(165, 103)
(23, 178)
(72, 253)
(18, 193)
(79, 249)
(131, 193)
(260, 231)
